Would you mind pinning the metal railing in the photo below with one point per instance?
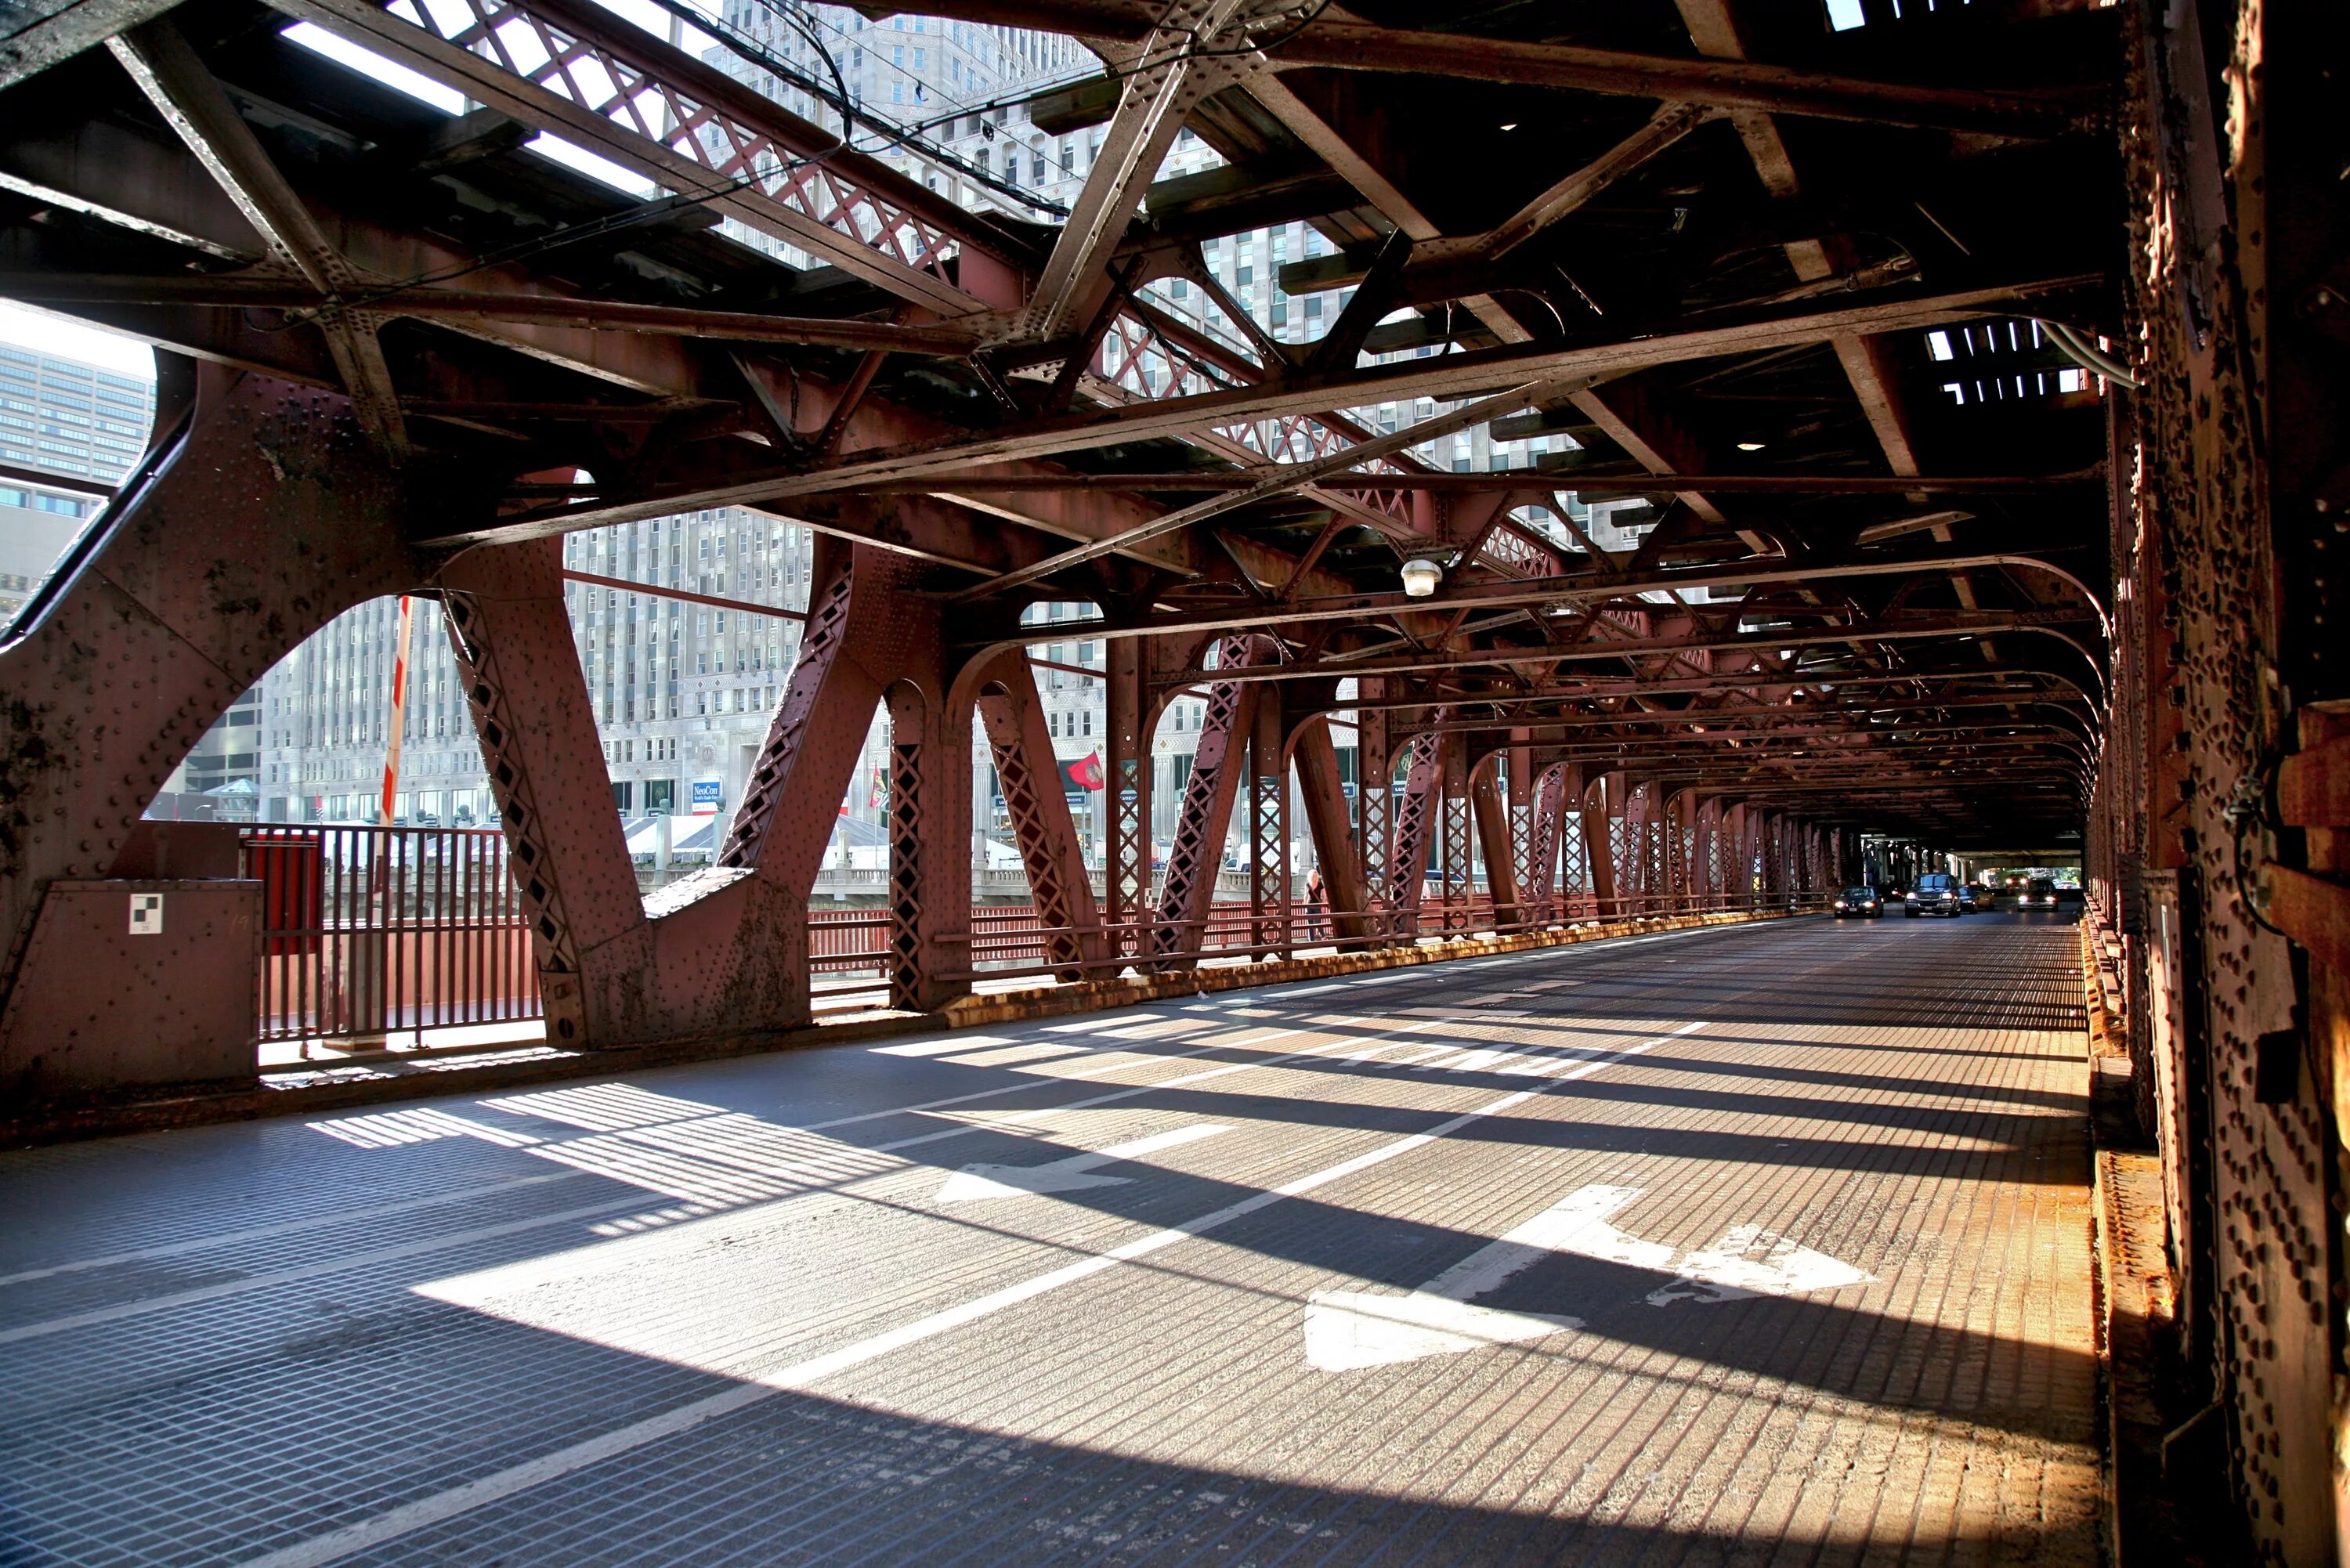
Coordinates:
(371, 932)
(367, 931)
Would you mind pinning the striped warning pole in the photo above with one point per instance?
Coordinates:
(399, 707)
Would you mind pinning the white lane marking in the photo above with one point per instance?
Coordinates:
(940, 1047)
(285, 1228)
(427, 1511)
(1120, 1059)
(1749, 1261)
(194, 1295)
(189, 1297)
(1348, 1329)
(975, 1182)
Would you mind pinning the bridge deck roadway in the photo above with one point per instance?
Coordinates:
(1749, 1245)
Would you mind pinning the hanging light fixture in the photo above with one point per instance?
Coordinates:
(1420, 576)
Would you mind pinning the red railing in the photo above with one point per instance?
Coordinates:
(374, 930)
(370, 931)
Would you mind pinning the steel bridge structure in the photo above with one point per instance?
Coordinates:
(1981, 365)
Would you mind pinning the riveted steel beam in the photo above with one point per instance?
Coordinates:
(257, 517)
(193, 104)
(581, 73)
(1022, 748)
(36, 40)
(1453, 376)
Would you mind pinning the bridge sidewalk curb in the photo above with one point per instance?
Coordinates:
(2137, 1298)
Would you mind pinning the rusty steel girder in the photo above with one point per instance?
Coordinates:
(724, 950)
(260, 513)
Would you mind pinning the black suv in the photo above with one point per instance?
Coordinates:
(1937, 893)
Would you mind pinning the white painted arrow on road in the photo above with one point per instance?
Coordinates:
(974, 1182)
(1349, 1329)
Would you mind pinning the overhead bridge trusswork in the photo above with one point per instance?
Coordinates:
(1942, 457)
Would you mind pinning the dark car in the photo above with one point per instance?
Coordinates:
(1859, 902)
(1967, 904)
(2040, 893)
(1936, 893)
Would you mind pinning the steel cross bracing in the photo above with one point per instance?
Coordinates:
(1806, 628)
(579, 72)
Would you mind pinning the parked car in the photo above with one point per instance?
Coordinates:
(1967, 903)
(1861, 902)
(2040, 893)
(1936, 893)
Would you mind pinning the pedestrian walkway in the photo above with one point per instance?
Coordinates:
(1750, 1244)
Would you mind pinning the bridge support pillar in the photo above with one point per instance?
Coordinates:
(1415, 817)
(1022, 747)
(1373, 801)
(1188, 896)
(259, 512)
(1130, 713)
(1268, 831)
(727, 950)
(1601, 797)
(1544, 842)
(1325, 799)
(1498, 836)
(1460, 892)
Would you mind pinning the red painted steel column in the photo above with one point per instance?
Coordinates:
(1057, 880)
(1126, 879)
(1460, 888)
(1705, 870)
(1268, 832)
(512, 635)
(1519, 793)
(1601, 798)
(1407, 871)
(1188, 896)
(1504, 849)
(930, 858)
(1333, 838)
(725, 950)
(1649, 848)
(1544, 843)
(1374, 804)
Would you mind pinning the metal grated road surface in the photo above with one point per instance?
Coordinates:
(1748, 1245)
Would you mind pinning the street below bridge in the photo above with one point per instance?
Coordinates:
(1764, 1243)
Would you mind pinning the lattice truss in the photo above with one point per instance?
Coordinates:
(1269, 858)
(542, 52)
(1457, 839)
(1023, 801)
(1407, 869)
(1135, 357)
(1374, 798)
(1574, 860)
(1130, 860)
(1193, 855)
(1522, 850)
(905, 872)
